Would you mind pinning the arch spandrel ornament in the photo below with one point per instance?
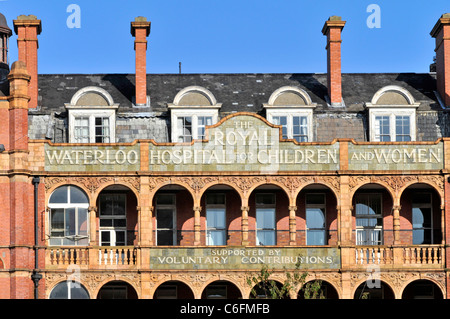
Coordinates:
(396, 184)
(92, 186)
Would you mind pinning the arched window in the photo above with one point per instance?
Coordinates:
(92, 116)
(292, 109)
(69, 290)
(392, 115)
(193, 109)
(69, 222)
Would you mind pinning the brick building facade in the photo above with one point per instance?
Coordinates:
(181, 186)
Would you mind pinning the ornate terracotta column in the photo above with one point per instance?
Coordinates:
(292, 226)
(244, 225)
(338, 211)
(197, 226)
(92, 225)
(396, 215)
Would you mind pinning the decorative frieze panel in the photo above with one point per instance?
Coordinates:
(92, 184)
(241, 142)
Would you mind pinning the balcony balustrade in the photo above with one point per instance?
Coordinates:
(352, 257)
(394, 257)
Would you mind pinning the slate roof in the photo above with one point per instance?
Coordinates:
(236, 92)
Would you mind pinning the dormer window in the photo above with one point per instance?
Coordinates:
(193, 109)
(292, 109)
(392, 115)
(92, 116)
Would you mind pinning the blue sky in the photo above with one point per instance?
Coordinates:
(230, 36)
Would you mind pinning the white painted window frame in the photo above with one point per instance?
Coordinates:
(93, 111)
(65, 206)
(92, 114)
(113, 229)
(368, 229)
(392, 113)
(290, 114)
(194, 114)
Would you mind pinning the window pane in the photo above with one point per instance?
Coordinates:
(382, 130)
(300, 128)
(77, 291)
(120, 238)
(81, 130)
(418, 236)
(216, 292)
(418, 218)
(166, 292)
(265, 199)
(112, 205)
(368, 236)
(216, 237)
(70, 221)
(281, 120)
(315, 218)
(265, 218)
(102, 129)
(215, 199)
(106, 238)
(165, 199)
(215, 218)
(59, 196)
(83, 221)
(368, 204)
(121, 222)
(57, 220)
(164, 218)
(78, 196)
(265, 237)
(202, 122)
(106, 222)
(421, 217)
(165, 237)
(184, 128)
(402, 128)
(61, 291)
(421, 198)
(315, 237)
(317, 199)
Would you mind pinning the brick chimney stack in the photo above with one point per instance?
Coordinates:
(27, 29)
(140, 29)
(332, 29)
(441, 32)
